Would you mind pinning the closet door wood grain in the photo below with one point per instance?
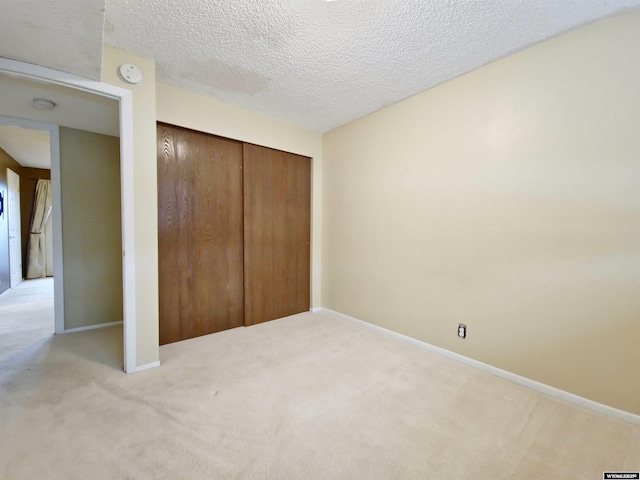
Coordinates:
(277, 229)
(200, 235)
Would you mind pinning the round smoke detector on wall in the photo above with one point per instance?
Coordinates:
(130, 73)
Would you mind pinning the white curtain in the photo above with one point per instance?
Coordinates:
(36, 257)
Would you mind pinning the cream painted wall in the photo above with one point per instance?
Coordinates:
(145, 199)
(180, 107)
(507, 199)
(91, 234)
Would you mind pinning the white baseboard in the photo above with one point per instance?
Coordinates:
(315, 309)
(512, 377)
(148, 366)
(92, 327)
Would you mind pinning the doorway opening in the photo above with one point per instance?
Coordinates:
(44, 79)
(32, 147)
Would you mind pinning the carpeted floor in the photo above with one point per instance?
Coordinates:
(26, 316)
(310, 396)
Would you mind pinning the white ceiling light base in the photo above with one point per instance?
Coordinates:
(43, 104)
(130, 73)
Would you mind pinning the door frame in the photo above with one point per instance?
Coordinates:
(11, 221)
(125, 99)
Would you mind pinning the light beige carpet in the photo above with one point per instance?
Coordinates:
(26, 316)
(306, 397)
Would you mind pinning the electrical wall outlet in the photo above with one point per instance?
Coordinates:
(462, 330)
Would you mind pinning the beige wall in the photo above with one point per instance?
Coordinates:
(145, 210)
(186, 109)
(507, 199)
(91, 233)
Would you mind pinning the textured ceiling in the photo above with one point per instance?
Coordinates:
(65, 35)
(314, 63)
(321, 64)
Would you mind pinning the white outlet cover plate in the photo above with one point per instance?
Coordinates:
(130, 73)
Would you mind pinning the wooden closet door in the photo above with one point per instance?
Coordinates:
(277, 232)
(199, 233)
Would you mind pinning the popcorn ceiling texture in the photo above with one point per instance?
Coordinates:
(314, 63)
(65, 35)
(321, 64)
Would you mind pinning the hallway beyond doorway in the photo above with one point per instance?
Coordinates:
(26, 316)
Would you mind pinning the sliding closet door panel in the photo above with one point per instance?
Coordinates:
(200, 233)
(277, 215)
